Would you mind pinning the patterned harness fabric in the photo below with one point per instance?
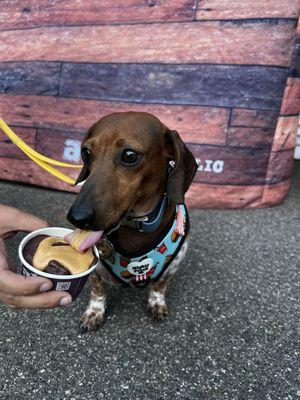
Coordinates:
(140, 269)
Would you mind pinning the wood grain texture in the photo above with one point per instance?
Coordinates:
(274, 195)
(291, 98)
(254, 118)
(60, 145)
(199, 124)
(280, 166)
(8, 149)
(214, 42)
(217, 85)
(242, 166)
(199, 195)
(225, 86)
(251, 137)
(202, 195)
(285, 134)
(27, 171)
(36, 13)
(29, 78)
(237, 9)
(295, 63)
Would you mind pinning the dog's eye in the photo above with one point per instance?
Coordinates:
(86, 155)
(130, 157)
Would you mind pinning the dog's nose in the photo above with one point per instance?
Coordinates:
(81, 216)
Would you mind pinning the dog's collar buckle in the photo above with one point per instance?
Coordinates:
(144, 218)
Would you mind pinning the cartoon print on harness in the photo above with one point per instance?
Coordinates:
(162, 248)
(137, 273)
(142, 280)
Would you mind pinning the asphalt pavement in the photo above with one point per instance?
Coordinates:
(233, 332)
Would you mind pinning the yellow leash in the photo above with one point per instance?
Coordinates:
(38, 158)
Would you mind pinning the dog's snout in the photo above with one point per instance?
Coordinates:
(81, 216)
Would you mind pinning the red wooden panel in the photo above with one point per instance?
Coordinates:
(202, 195)
(291, 99)
(237, 9)
(194, 123)
(27, 134)
(215, 196)
(59, 145)
(285, 134)
(8, 149)
(250, 137)
(275, 194)
(196, 42)
(280, 166)
(233, 166)
(255, 118)
(28, 172)
(32, 14)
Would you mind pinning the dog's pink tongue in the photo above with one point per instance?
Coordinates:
(82, 240)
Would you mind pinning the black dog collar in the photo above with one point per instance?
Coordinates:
(150, 222)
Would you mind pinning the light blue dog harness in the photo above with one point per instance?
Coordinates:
(140, 268)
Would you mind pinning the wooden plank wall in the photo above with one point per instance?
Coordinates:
(226, 75)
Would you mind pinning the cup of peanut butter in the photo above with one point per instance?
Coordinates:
(45, 253)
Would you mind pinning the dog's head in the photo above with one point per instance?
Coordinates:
(126, 159)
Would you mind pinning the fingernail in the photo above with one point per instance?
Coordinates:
(65, 301)
(45, 287)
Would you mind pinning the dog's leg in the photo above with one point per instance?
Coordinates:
(157, 306)
(93, 316)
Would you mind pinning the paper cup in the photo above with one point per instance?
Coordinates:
(72, 284)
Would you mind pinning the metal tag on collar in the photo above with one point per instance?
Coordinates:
(106, 248)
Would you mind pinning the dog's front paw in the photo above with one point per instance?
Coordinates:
(158, 312)
(91, 320)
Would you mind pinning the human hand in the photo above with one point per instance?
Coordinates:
(18, 291)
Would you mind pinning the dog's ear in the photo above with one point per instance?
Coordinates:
(84, 173)
(185, 167)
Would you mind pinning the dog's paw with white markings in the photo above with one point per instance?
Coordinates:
(91, 320)
(93, 317)
(158, 312)
(157, 307)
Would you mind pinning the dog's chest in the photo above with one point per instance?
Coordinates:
(172, 268)
(161, 256)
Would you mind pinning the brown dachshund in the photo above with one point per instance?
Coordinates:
(128, 178)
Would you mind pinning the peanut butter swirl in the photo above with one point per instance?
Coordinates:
(54, 248)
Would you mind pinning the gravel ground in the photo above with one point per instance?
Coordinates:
(233, 332)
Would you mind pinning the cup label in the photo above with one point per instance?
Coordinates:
(63, 285)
